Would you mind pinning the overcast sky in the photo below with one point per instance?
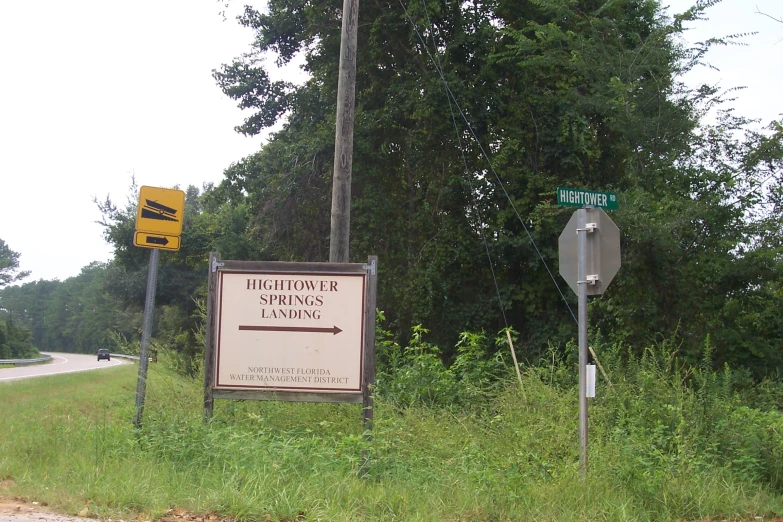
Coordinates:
(95, 91)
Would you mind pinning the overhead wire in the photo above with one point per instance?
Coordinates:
(754, 190)
(472, 189)
(451, 97)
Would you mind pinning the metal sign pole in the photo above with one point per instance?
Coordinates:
(149, 307)
(596, 248)
(581, 231)
(209, 335)
(369, 357)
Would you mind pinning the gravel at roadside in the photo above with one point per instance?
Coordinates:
(16, 511)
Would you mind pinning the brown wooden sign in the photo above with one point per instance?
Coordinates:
(290, 331)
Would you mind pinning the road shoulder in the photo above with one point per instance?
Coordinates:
(15, 510)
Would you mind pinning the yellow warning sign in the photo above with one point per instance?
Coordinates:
(150, 240)
(160, 211)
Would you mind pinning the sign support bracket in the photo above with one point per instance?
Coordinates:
(371, 266)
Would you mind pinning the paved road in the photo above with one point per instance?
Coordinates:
(61, 363)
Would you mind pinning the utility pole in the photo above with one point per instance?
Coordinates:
(343, 138)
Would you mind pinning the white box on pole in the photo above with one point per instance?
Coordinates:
(590, 380)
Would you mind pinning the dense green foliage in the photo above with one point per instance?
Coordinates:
(667, 442)
(77, 315)
(558, 93)
(15, 341)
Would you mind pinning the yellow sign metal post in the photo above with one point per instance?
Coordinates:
(158, 226)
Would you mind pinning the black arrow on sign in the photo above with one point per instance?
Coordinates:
(152, 240)
(334, 330)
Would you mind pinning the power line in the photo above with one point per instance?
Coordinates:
(451, 96)
(470, 182)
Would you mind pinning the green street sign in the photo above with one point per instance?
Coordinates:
(567, 197)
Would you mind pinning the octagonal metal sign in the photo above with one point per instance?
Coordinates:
(603, 251)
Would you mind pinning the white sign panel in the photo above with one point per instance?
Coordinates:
(290, 331)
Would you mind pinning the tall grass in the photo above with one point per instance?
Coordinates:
(666, 443)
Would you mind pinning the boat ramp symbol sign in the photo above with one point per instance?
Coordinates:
(154, 210)
(159, 212)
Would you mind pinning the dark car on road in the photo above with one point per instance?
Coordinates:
(103, 353)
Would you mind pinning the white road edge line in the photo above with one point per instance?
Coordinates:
(45, 374)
